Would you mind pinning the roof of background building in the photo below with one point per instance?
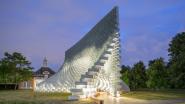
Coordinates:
(42, 69)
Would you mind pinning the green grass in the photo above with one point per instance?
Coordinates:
(156, 95)
(181, 103)
(28, 97)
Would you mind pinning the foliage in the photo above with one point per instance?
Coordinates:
(135, 77)
(160, 75)
(139, 75)
(157, 74)
(177, 61)
(125, 71)
(124, 68)
(14, 68)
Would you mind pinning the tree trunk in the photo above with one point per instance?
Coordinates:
(15, 82)
(15, 88)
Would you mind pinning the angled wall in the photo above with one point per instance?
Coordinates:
(97, 52)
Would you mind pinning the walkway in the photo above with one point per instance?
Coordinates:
(124, 100)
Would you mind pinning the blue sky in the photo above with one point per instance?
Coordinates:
(39, 28)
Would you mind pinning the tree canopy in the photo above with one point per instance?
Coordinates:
(177, 60)
(157, 74)
(14, 68)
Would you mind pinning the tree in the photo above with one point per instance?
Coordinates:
(138, 76)
(157, 74)
(125, 71)
(6, 71)
(177, 60)
(15, 68)
(124, 68)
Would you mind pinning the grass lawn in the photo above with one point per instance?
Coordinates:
(28, 97)
(156, 95)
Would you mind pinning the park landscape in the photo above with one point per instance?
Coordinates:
(159, 80)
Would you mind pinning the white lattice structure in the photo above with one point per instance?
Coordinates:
(91, 64)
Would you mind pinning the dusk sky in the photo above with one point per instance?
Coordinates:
(47, 28)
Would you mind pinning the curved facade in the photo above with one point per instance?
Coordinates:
(92, 64)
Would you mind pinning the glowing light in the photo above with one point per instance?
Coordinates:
(91, 64)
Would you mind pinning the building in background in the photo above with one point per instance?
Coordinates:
(44, 72)
(40, 75)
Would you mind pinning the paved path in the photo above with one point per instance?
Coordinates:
(124, 100)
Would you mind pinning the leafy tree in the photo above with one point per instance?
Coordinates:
(6, 71)
(177, 60)
(138, 76)
(125, 71)
(132, 80)
(124, 68)
(157, 74)
(15, 68)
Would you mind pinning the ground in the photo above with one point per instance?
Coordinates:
(126, 100)
(29, 97)
(147, 97)
(134, 97)
(156, 95)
